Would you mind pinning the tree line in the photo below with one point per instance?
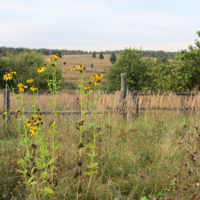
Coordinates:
(145, 53)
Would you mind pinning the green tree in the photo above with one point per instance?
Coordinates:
(92, 65)
(94, 54)
(101, 55)
(181, 74)
(137, 69)
(113, 58)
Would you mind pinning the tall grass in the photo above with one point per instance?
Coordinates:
(155, 156)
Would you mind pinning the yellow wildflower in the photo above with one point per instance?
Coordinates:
(80, 66)
(12, 72)
(73, 68)
(7, 76)
(28, 123)
(41, 69)
(54, 57)
(21, 87)
(97, 83)
(19, 111)
(50, 59)
(99, 76)
(87, 87)
(7, 111)
(33, 88)
(34, 116)
(30, 80)
(33, 131)
(92, 77)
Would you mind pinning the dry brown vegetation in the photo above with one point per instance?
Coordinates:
(100, 65)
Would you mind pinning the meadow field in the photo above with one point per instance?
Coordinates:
(100, 65)
(153, 156)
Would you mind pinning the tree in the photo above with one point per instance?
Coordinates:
(113, 58)
(92, 65)
(94, 54)
(101, 55)
(181, 74)
(137, 70)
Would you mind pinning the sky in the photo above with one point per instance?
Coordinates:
(99, 25)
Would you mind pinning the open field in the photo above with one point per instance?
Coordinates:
(155, 155)
(100, 65)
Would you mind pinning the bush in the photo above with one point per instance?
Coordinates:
(113, 58)
(92, 65)
(94, 54)
(101, 55)
(27, 62)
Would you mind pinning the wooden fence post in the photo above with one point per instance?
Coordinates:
(136, 101)
(6, 93)
(123, 87)
(127, 105)
(123, 92)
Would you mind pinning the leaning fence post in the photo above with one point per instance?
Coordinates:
(136, 101)
(6, 93)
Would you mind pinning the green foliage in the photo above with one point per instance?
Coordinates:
(27, 62)
(181, 74)
(101, 55)
(113, 58)
(92, 65)
(94, 54)
(137, 70)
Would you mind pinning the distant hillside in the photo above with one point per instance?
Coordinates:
(153, 54)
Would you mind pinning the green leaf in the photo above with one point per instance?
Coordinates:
(20, 171)
(144, 198)
(56, 145)
(44, 175)
(84, 112)
(91, 155)
(33, 183)
(30, 179)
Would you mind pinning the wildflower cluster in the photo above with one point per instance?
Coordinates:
(9, 76)
(54, 57)
(78, 67)
(96, 81)
(32, 131)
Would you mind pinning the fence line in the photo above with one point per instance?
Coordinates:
(123, 94)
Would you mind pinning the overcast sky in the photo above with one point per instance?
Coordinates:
(168, 25)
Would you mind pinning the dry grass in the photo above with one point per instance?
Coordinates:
(100, 65)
